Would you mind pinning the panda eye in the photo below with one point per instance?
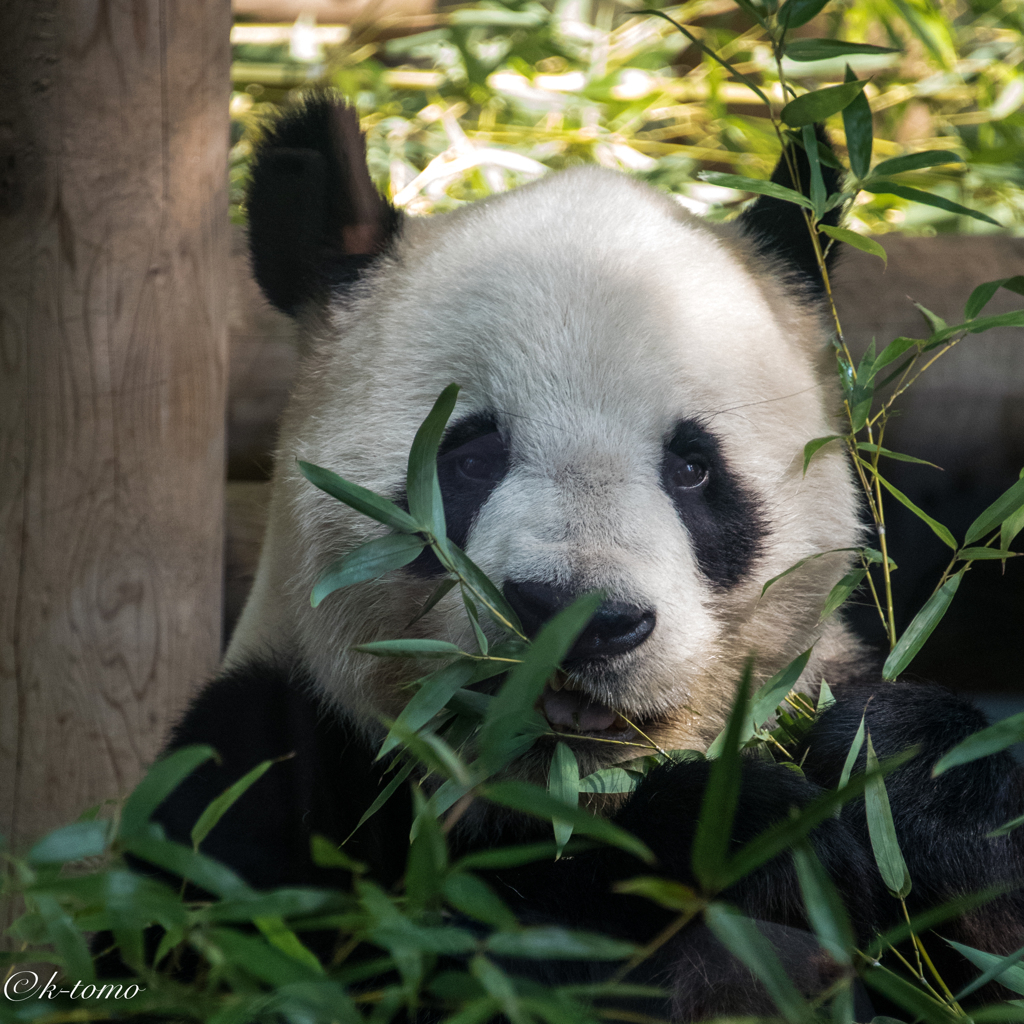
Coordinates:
(686, 472)
(482, 460)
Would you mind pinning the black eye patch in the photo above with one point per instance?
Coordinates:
(472, 460)
(721, 514)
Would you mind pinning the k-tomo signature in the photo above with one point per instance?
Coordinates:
(27, 985)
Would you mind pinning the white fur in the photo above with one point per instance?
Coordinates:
(589, 313)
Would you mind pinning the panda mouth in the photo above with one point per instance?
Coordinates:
(571, 710)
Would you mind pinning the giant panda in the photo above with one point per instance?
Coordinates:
(637, 389)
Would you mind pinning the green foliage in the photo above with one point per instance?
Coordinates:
(495, 94)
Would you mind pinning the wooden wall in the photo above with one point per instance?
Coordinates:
(113, 281)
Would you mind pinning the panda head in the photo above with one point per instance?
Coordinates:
(637, 387)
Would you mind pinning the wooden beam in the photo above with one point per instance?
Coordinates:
(113, 281)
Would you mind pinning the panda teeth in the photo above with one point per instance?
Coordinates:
(560, 681)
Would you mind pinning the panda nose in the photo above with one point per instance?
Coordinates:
(616, 627)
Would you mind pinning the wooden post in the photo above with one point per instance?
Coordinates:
(113, 275)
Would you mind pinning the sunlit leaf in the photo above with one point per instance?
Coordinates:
(820, 104)
(862, 242)
(757, 185)
(866, 446)
(795, 13)
(916, 161)
(884, 187)
(908, 996)
(826, 49)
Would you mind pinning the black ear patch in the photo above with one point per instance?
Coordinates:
(315, 218)
(778, 228)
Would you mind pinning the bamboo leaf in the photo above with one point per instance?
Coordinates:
(986, 554)
(981, 295)
(770, 695)
(825, 910)
(382, 798)
(522, 796)
(862, 242)
(812, 447)
(893, 351)
(818, 193)
(920, 628)
(884, 187)
(72, 842)
(610, 780)
(369, 561)
(841, 591)
(795, 13)
(916, 161)
(866, 446)
(990, 740)
(508, 717)
(359, 498)
(852, 755)
(160, 781)
(422, 489)
(909, 997)
(882, 831)
(803, 561)
(563, 785)
(721, 795)
(826, 49)
(820, 104)
(492, 598)
(938, 529)
(475, 897)
(859, 127)
(411, 649)
(1002, 508)
(442, 589)
(219, 806)
(1007, 969)
(550, 942)
(742, 938)
(757, 185)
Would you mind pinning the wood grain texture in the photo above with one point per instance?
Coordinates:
(113, 281)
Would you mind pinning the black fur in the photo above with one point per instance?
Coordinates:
(315, 218)
(721, 515)
(778, 229)
(267, 710)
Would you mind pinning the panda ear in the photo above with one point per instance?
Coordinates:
(778, 228)
(315, 218)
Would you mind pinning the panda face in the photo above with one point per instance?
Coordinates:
(637, 389)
